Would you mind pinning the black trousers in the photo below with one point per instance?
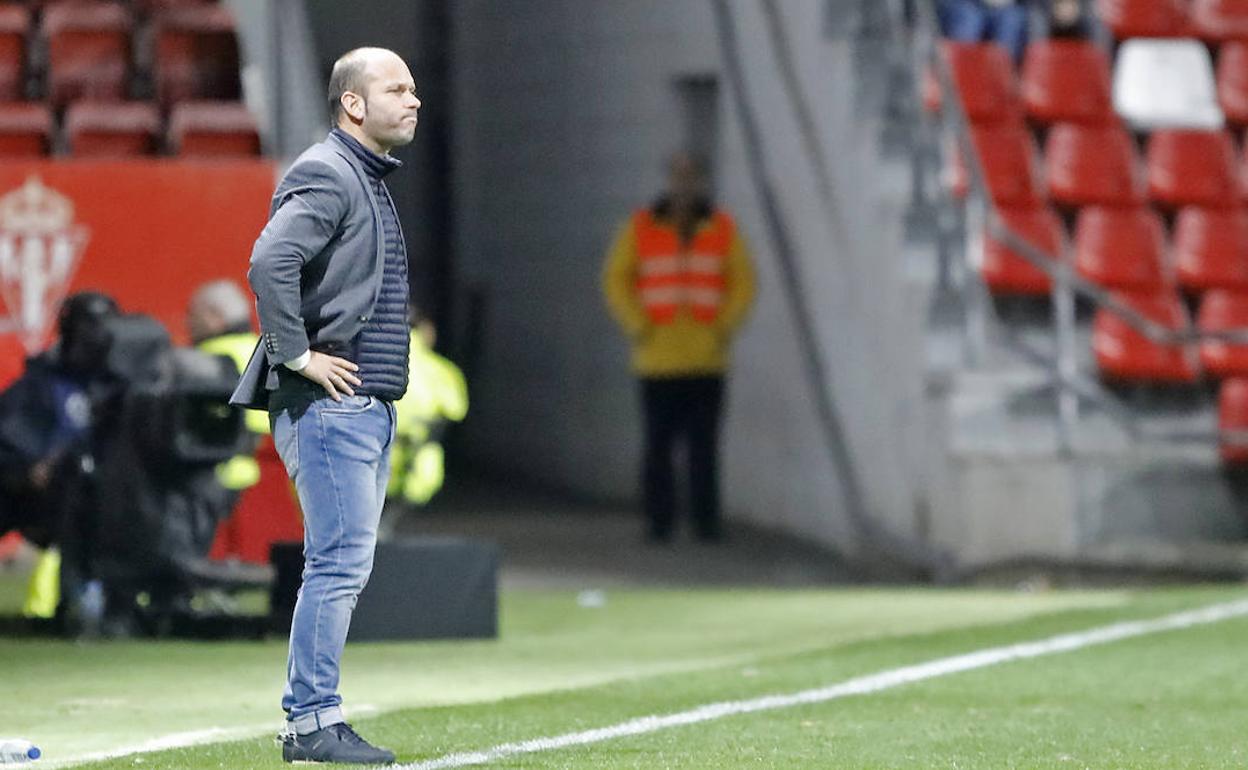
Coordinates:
(687, 408)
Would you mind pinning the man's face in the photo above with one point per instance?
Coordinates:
(685, 181)
(390, 106)
(202, 322)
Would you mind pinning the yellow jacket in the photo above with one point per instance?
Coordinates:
(436, 391)
(684, 347)
(241, 471)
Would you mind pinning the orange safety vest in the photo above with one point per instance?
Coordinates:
(669, 276)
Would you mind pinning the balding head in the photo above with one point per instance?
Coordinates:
(348, 75)
(375, 79)
(216, 308)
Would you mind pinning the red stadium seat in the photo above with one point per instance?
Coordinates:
(984, 76)
(196, 55)
(25, 129)
(112, 130)
(1126, 355)
(1192, 167)
(1120, 248)
(14, 20)
(1005, 272)
(1089, 165)
(1144, 18)
(1218, 20)
(159, 6)
(213, 129)
(1006, 154)
(1211, 249)
(88, 51)
(1233, 82)
(1066, 80)
(1222, 311)
(1233, 416)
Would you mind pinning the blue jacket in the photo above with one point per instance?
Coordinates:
(316, 268)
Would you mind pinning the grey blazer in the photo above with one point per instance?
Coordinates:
(316, 268)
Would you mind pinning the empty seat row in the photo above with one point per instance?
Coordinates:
(1097, 165)
(1123, 248)
(89, 51)
(1126, 354)
(1211, 20)
(195, 129)
(1062, 80)
(1069, 81)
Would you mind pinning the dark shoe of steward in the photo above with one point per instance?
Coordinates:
(337, 744)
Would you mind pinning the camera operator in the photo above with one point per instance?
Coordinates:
(45, 424)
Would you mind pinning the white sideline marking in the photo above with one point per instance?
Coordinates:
(871, 683)
(185, 740)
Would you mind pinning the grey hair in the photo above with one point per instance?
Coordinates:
(226, 299)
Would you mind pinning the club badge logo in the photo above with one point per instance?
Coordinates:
(40, 248)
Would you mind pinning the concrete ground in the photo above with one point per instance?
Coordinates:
(549, 540)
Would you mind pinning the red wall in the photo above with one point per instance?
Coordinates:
(156, 229)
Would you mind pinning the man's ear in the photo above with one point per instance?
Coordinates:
(353, 106)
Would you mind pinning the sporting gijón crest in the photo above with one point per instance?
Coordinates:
(40, 248)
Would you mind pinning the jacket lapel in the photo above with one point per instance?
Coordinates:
(379, 238)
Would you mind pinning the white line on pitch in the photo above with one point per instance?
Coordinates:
(864, 685)
(186, 740)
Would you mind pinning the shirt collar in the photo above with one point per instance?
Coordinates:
(376, 166)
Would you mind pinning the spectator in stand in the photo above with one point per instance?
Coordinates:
(1068, 19)
(1001, 21)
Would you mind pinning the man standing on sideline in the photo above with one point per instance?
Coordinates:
(679, 282)
(330, 276)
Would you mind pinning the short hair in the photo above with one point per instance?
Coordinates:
(700, 162)
(224, 297)
(348, 74)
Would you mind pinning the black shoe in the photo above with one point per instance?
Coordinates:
(336, 743)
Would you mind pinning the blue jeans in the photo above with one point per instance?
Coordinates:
(972, 21)
(338, 455)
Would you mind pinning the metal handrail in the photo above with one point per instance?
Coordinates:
(1067, 284)
(1053, 265)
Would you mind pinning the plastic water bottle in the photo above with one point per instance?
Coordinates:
(15, 751)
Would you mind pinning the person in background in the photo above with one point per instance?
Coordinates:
(679, 282)
(437, 395)
(218, 320)
(1068, 19)
(45, 432)
(1001, 21)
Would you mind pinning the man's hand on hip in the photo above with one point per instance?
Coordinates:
(331, 373)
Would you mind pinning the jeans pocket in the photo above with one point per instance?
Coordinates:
(286, 441)
(348, 405)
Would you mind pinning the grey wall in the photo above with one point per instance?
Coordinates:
(565, 110)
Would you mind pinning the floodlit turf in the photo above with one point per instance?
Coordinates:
(1170, 700)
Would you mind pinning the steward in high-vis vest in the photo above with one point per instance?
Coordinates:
(436, 396)
(679, 282)
(219, 322)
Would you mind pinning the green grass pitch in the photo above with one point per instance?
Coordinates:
(1176, 699)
